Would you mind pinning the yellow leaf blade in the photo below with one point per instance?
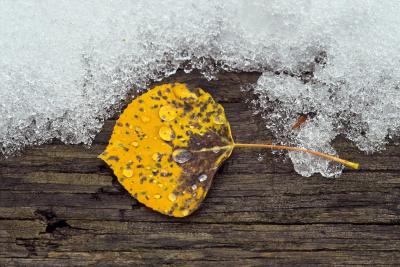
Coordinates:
(167, 145)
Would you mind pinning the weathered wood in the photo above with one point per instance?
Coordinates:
(60, 205)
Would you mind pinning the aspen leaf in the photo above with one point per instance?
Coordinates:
(168, 144)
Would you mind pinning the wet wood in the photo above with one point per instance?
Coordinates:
(61, 206)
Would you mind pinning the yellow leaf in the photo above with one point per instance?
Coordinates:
(168, 144)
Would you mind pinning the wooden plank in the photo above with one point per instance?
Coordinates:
(60, 205)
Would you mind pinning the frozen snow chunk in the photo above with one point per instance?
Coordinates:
(65, 70)
(316, 134)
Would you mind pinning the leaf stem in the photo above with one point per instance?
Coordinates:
(346, 163)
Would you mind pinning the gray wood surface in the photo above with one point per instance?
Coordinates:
(61, 206)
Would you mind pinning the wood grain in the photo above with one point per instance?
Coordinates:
(61, 206)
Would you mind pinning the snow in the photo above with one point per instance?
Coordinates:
(65, 66)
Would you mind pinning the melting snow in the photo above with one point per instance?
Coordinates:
(66, 65)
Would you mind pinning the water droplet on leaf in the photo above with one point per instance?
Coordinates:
(135, 144)
(181, 155)
(216, 149)
(127, 172)
(165, 133)
(172, 197)
(167, 113)
(202, 177)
